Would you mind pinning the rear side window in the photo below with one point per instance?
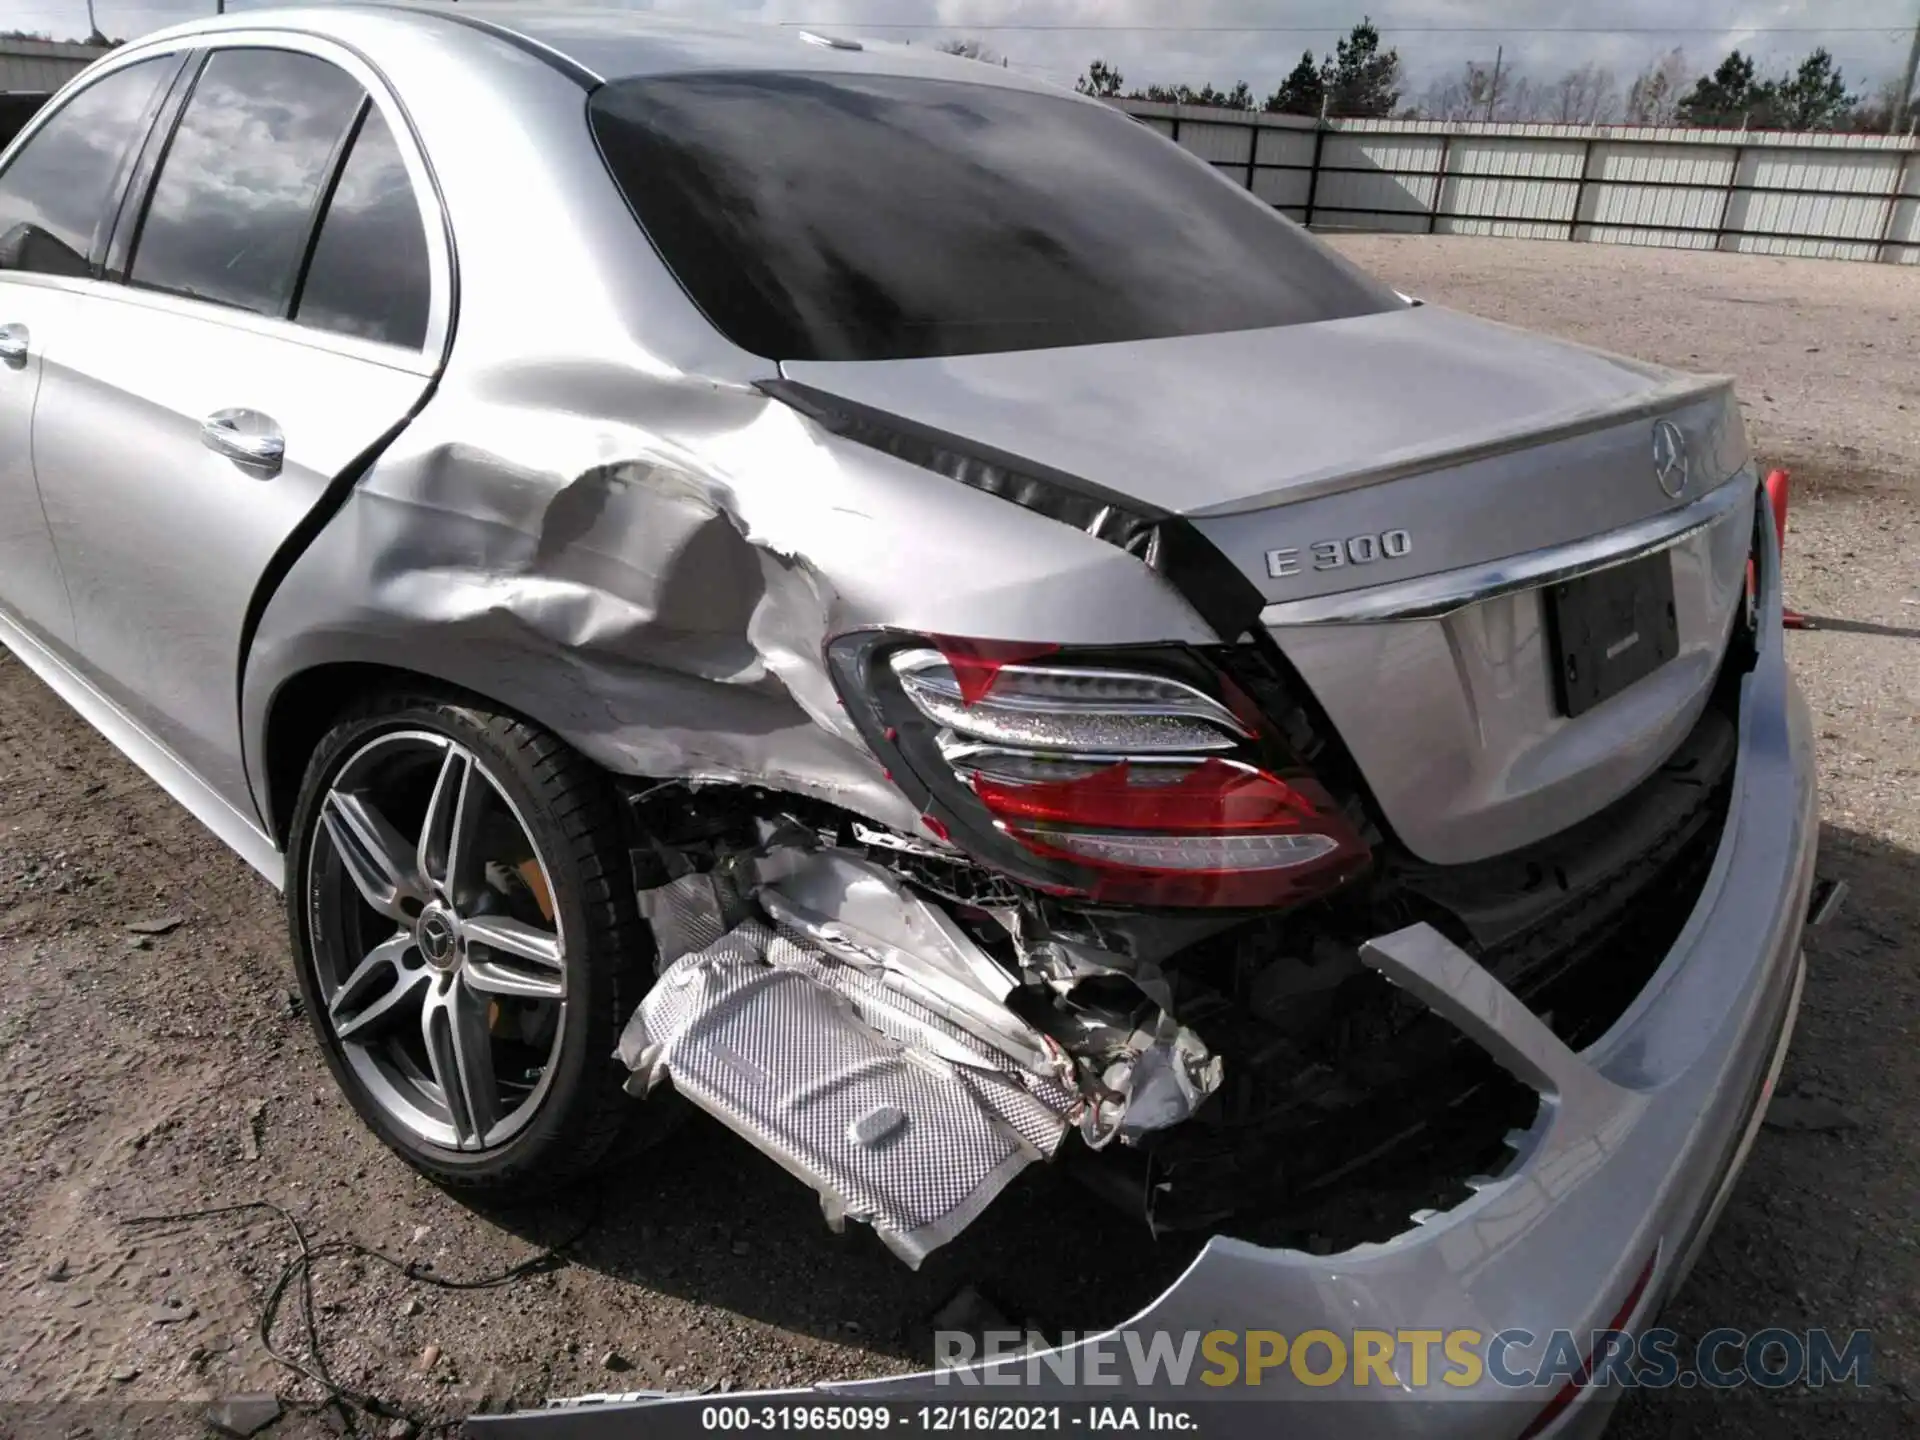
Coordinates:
(233, 205)
(61, 186)
(369, 275)
(852, 217)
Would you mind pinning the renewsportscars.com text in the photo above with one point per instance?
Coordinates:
(1458, 1359)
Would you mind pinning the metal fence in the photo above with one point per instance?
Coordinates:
(42, 66)
(30, 71)
(1840, 197)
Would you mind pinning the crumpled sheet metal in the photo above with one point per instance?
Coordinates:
(915, 977)
(783, 1045)
(1162, 1076)
(651, 566)
(864, 915)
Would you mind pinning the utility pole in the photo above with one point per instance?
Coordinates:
(1493, 87)
(1901, 100)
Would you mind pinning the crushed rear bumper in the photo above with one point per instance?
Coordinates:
(1637, 1144)
(1614, 1189)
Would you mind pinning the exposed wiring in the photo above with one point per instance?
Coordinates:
(297, 1273)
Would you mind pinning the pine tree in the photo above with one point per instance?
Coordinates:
(1360, 79)
(1301, 93)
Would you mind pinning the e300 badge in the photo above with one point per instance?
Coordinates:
(1332, 554)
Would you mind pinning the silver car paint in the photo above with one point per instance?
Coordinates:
(1478, 441)
(124, 399)
(1453, 720)
(32, 586)
(1233, 425)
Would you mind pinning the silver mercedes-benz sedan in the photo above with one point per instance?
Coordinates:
(893, 602)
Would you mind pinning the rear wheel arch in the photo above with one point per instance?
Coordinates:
(310, 702)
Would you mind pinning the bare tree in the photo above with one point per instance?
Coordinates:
(1875, 113)
(1654, 96)
(1476, 93)
(1588, 95)
(1522, 97)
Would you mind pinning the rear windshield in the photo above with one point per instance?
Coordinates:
(854, 217)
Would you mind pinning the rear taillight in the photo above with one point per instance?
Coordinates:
(1129, 777)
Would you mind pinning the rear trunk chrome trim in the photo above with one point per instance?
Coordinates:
(1431, 597)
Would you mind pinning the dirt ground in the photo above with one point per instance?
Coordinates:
(157, 1073)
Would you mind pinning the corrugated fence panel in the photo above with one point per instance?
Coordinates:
(1848, 197)
(1377, 182)
(1648, 235)
(1504, 187)
(1419, 153)
(1616, 160)
(1851, 172)
(1284, 147)
(42, 65)
(1814, 217)
(1285, 188)
(1524, 159)
(37, 72)
(1904, 233)
(1230, 143)
(1501, 229)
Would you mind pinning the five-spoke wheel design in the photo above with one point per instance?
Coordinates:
(439, 954)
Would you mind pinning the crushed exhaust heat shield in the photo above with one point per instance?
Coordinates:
(864, 1042)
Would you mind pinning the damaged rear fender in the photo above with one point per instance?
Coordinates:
(660, 594)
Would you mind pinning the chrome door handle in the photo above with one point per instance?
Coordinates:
(247, 436)
(14, 343)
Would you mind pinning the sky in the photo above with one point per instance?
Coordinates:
(1221, 41)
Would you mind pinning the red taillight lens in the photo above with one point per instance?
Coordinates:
(976, 664)
(1214, 796)
(1219, 833)
(1778, 485)
(1133, 784)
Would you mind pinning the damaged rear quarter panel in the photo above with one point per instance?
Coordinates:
(651, 566)
(597, 522)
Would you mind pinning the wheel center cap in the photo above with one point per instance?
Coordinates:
(438, 940)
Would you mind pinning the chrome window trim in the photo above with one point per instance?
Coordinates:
(426, 196)
(1431, 597)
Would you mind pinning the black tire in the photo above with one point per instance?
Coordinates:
(568, 809)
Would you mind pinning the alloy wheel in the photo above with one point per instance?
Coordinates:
(440, 954)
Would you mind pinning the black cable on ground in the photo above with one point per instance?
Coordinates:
(299, 1272)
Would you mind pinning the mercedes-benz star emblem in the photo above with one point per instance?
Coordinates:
(436, 939)
(1670, 459)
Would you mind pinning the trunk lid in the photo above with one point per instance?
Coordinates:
(1338, 457)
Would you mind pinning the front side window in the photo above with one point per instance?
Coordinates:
(369, 274)
(60, 188)
(233, 205)
(817, 216)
